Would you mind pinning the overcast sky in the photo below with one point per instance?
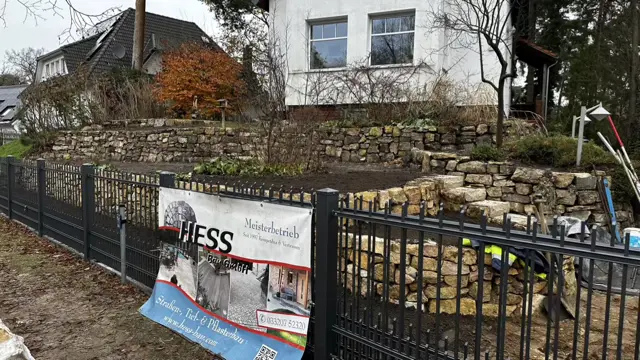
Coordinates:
(19, 33)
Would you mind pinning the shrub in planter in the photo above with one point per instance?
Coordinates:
(487, 153)
(558, 151)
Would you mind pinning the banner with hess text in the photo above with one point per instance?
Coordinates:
(234, 275)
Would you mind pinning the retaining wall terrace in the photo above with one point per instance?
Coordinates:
(162, 140)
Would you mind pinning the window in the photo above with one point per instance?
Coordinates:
(47, 73)
(57, 67)
(392, 39)
(7, 111)
(328, 45)
(290, 278)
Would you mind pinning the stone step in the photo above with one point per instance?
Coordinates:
(454, 197)
(491, 208)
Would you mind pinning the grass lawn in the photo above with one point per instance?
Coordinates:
(15, 148)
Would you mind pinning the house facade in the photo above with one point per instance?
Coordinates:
(111, 46)
(324, 38)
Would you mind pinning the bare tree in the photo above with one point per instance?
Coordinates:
(479, 24)
(24, 63)
(634, 61)
(79, 21)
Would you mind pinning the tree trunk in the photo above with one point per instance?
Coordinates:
(138, 35)
(531, 36)
(500, 123)
(634, 62)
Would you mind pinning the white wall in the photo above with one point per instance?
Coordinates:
(153, 65)
(291, 20)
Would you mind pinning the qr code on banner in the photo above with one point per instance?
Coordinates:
(266, 353)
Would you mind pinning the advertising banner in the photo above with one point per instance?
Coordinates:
(234, 275)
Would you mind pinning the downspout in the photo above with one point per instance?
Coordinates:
(546, 90)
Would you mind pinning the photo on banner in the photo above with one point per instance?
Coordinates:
(234, 274)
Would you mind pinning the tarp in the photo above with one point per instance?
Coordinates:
(234, 275)
(601, 269)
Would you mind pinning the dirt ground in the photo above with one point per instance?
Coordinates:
(66, 308)
(339, 176)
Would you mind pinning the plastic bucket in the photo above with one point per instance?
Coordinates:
(634, 234)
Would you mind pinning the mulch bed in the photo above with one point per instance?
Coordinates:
(344, 177)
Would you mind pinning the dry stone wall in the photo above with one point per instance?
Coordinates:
(363, 272)
(160, 140)
(504, 187)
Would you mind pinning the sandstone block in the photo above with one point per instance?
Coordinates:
(522, 199)
(472, 167)
(486, 291)
(483, 179)
(527, 175)
(562, 180)
(566, 197)
(413, 194)
(397, 195)
(494, 192)
(490, 208)
(467, 306)
(588, 197)
(585, 181)
(464, 195)
(523, 189)
(446, 292)
(444, 182)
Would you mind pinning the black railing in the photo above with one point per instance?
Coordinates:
(385, 285)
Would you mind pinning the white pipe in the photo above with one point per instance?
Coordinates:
(608, 146)
(624, 151)
(633, 184)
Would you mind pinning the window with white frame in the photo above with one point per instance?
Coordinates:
(392, 39)
(328, 45)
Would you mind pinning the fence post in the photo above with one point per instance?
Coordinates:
(167, 179)
(11, 177)
(42, 192)
(326, 272)
(122, 226)
(88, 207)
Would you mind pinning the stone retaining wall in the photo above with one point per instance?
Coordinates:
(360, 261)
(160, 140)
(506, 187)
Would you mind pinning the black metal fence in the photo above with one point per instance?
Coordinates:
(385, 285)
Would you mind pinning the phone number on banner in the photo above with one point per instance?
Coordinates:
(297, 324)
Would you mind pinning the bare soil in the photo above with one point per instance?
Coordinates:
(66, 308)
(344, 177)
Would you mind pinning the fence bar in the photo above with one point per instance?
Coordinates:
(42, 192)
(122, 226)
(10, 182)
(326, 272)
(88, 209)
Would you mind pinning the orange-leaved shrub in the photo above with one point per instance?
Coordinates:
(195, 77)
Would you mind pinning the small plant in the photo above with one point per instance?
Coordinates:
(558, 151)
(247, 168)
(487, 153)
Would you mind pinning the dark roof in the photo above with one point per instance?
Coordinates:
(167, 33)
(9, 99)
(263, 4)
(533, 54)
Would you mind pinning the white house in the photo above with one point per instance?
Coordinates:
(329, 36)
